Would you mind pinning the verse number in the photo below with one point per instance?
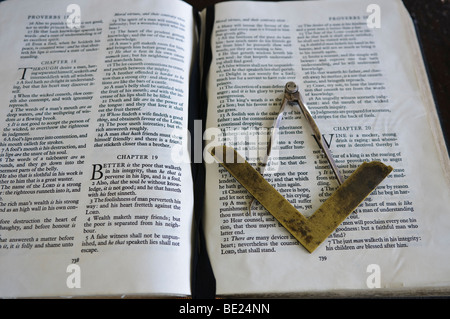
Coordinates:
(322, 258)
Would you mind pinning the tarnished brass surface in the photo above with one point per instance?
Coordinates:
(312, 231)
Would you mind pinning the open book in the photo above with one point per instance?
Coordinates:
(108, 113)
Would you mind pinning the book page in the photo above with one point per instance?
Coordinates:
(94, 198)
(360, 72)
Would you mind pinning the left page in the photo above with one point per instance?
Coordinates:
(94, 197)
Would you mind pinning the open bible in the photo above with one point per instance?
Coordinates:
(108, 113)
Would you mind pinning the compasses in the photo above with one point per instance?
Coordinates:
(311, 231)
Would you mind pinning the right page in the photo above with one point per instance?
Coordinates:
(360, 71)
